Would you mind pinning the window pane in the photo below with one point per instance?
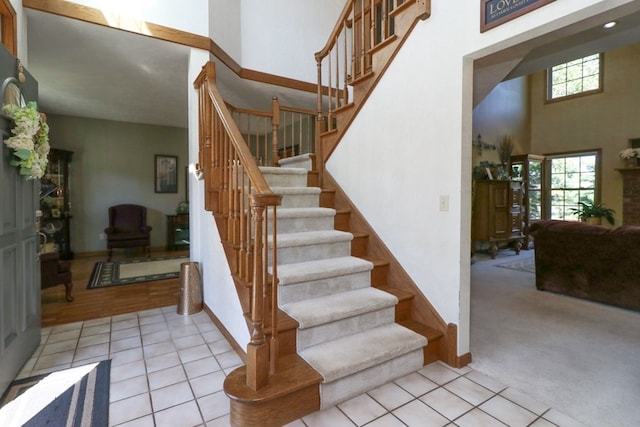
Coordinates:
(572, 164)
(588, 180)
(572, 180)
(557, 166)
(571, 198)
(557, 180)
(588, 163)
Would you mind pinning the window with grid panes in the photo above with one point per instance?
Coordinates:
(572, 179)
(578, 77)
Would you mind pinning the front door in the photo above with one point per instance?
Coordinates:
(19, 247)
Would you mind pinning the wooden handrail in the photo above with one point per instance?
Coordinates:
(245, 210)
(337, 29)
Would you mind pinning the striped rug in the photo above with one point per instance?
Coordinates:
(135, 271)
(76, 397)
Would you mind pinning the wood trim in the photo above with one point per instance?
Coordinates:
(452, 358)
(9, 24)
(161, 32)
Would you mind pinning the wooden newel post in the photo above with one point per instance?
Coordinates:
(275, 123)
(258, 349)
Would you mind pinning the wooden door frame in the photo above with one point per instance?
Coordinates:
(9, 24)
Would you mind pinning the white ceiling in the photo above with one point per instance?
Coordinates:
(87, 70)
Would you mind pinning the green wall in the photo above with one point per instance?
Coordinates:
(113, 163)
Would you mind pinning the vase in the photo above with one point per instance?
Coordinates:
(632, 162)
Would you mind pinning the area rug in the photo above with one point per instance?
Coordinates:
(76, 397)
(136, 271)
(526, 264)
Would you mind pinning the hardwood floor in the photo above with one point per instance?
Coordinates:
(96, 303)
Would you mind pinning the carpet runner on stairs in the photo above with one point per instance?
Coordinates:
(346, 327)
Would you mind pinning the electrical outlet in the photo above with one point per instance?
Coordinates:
(444, 203)
(102, 236)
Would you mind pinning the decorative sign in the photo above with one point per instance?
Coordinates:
(497, 12)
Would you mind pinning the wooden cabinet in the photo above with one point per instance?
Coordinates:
(55, 204)
(177, 232)
(497, 215)
(530, 169)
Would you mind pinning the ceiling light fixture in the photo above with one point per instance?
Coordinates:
(610, 24)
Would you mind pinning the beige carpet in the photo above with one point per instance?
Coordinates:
(579, 357)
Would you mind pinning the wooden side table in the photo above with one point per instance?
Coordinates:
(177, 232)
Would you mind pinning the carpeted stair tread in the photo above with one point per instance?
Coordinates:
(330, 308)
(274, 170)
(285, 213)
(283, 191)
(321, 269)
(344, 356)
(306, 238)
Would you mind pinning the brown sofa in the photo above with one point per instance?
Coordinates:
(587, 261)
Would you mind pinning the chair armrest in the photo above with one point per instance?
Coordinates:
(64, 266)
(49, 257)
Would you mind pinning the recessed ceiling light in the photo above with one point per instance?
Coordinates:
(610, 24)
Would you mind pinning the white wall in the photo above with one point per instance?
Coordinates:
(187, 15)
(411, 145)
(281, 36)
(225, 26)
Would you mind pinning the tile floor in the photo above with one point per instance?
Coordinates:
(168, 370)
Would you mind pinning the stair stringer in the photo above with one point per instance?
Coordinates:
(421, 311)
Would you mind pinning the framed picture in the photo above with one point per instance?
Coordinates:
(497, 12)
(166, 174)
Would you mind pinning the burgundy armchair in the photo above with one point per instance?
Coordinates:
(54, 271)
(128, 228)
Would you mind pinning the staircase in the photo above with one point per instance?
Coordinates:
(346, 329)
(348, 317)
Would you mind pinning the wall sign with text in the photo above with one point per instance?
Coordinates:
(497, 12)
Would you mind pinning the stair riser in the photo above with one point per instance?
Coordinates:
(286, 180)
(295, 225)
(360, 382)
(317, 288)
(340, 328)
(328, 199)
(311, 252)
(298, 162)
(300, 201)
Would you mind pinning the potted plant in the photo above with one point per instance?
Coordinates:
(594, 212)
(631, 156)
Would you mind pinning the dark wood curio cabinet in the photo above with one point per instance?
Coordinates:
(55, 204)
